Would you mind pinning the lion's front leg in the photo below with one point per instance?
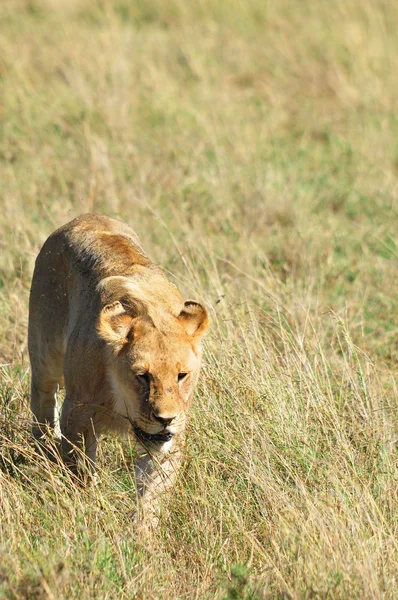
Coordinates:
(79, 438)
(155, 474)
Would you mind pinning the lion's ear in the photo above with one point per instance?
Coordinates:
(194, 318)
(115, 322)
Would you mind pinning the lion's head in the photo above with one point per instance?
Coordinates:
(153, 362)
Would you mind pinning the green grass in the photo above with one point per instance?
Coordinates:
(253, 147)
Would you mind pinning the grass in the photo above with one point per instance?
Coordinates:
(252, 145)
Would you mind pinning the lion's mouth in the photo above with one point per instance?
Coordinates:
(142, 435)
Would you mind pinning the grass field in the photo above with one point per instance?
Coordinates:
(253, 146)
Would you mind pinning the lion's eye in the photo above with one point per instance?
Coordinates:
(181, 377)
(143, 378)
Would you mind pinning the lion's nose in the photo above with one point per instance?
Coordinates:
(165, 421)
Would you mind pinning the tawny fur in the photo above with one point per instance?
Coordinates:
(106, 321)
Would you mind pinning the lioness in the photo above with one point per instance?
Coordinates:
(106, 320)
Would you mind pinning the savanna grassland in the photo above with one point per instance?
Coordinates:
(253, 146)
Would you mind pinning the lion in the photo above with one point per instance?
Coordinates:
(108, 324)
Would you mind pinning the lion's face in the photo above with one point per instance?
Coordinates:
(153, 369)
